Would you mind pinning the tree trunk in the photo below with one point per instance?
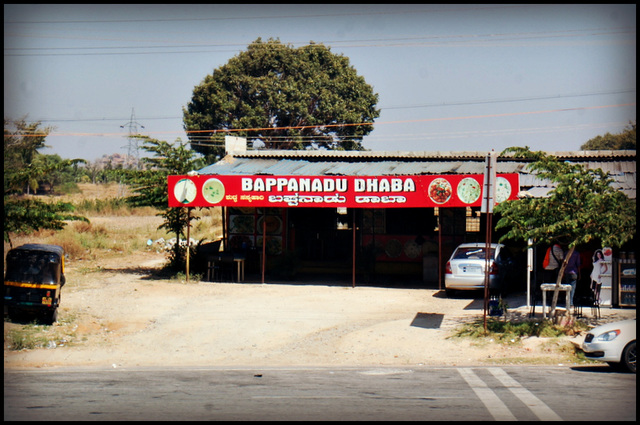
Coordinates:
(556, 290)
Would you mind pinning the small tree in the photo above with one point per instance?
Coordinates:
(583, 207)
(23, 170)
(151, 188)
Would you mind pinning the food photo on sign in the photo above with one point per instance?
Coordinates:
(469, 190)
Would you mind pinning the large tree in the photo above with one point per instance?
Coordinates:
(624, 140)
(284, 98)
(583, 207)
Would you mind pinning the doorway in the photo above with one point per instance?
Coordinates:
(322, 238)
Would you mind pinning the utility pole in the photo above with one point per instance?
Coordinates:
(488, 202)
(133, 150)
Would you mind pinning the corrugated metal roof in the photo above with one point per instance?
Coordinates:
(612, 167)
(621, 165)
(471, 168)
(510, 167)
(534, 192)
(406, 155)
(283, 167)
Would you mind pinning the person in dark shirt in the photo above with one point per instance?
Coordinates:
(572, 272)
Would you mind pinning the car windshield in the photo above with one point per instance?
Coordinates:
(472, 253)
(32, 267)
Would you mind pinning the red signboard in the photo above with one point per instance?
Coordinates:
(462, 190)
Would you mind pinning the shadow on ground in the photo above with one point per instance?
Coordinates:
(428, 320)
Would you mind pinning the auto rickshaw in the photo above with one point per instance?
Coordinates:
(33, 280)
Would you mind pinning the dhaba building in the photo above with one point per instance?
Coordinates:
(365, 214)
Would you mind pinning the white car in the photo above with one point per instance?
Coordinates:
(614, 343)
(465, 268)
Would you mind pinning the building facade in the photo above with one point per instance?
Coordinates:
(368, 215)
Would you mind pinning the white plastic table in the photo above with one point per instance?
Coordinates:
(550, 287)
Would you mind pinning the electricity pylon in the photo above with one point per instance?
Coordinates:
(133, 150)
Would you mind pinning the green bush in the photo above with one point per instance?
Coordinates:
(501, 330)
(27, 338)
(109, 206)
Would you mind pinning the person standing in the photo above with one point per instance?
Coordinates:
(599, 268)
(552, 261)
(572, 273)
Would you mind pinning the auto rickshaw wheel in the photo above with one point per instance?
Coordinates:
(14, 314)
(51, 316)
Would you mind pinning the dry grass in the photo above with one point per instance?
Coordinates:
(114, 228)
(97, 191)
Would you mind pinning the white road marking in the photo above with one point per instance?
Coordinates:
(492, 402)
(537, 406)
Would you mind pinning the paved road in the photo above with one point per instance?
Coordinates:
(418, 393)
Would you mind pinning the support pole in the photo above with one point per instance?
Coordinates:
(439, 251)
(487, 207)
(487, 261)
(188, 239)
(264, 245)
(353, 278)
(223, 213)
(530, 266)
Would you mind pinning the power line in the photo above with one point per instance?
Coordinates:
(237, 130)
(517, 99)
(440, 40)
(473, 37)
(102, 119)
(427, 105)
(234, 18)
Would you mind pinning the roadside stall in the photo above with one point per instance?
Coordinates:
(330, 214)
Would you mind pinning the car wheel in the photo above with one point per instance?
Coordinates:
(629, 357)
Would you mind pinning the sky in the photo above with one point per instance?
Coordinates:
(449, 77)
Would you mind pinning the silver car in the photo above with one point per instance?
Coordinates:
(614, 343)
(465, 268)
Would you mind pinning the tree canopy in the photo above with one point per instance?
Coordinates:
(24, 169)
(624, 140)
(583, 207)
(284, 98)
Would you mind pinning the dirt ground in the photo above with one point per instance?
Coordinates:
(116, 314)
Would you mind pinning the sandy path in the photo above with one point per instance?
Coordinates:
(121, 318)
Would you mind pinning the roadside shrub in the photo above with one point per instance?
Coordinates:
(68, 188)
(72, 247)
(177, 257)
(32, 335)
(27, 338)
(143, 211)
(84, 227)
(109, 206)
(182, 277)
(507, 331)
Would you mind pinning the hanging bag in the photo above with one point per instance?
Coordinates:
(545, 262)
